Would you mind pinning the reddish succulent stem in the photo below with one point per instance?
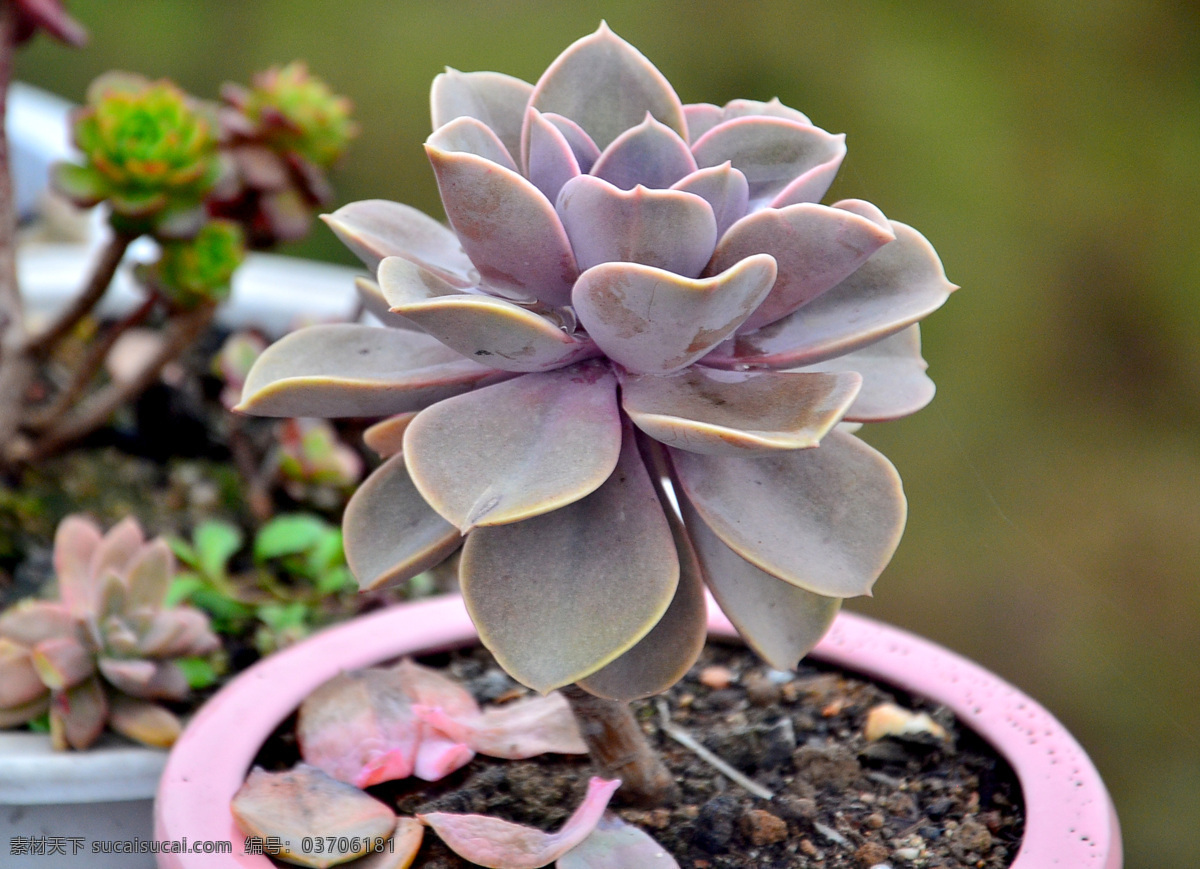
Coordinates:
(88, 367)
(182, 331)
(619, 747)
(101, 277)
(15, 370)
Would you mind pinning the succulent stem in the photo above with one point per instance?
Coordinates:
(15, 371)
(179, 335)
(87, 368)
(81, 306)
(619, 747)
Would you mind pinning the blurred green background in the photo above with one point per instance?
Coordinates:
(1049, 150)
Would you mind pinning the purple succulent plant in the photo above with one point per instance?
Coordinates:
(630, 289)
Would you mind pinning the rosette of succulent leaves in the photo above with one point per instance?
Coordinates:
(108, 648)
(630, 288)
(636, 301)
(174, 168)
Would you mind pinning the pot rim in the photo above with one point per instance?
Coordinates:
(1070, 819)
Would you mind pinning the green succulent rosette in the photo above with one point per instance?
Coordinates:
(200, 269)
(298, 112)
(148, 149)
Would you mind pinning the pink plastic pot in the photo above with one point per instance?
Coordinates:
(1070, 819)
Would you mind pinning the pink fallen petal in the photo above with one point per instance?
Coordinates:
(437, 757)
(499, 844)
(359, 728)
(430, 688)
(377, 766)
(525, 728)
(615, 844)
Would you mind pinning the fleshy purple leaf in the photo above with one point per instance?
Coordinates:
(386, 437)
(893, 373)
(902, 283)
(781, 158)
(552, 160)
(62, 662)
(19, 680)
(343, 369)
(506, 336)
(606, 86)
(663, 656)
(825, 519)
(471, 136)
(815, 247)
(496, 99)
(377, 306)
(665, 229)
(377, 228)
(77, 715)
(700, 117)
(507, 227)
(650, 154)
(655, 322)
(390, 533)
(149, 680)
(735, 412)
(517, 449)
(585, 150)
(75, 541)
(147, 723)
(548, 609)
(723, 188)
(778, 620)
(30, 621)
(499, 844)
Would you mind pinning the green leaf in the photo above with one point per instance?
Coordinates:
(280, 616)
(81, 184)
(226, 611)
(335, 580)
(199, 672)
(216, 542)
(41, 724)
(328, 553)
(288, 535)
(184, 551)
(183, 586)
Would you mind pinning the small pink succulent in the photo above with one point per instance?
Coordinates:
(106, 649)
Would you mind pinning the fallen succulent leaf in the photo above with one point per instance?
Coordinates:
(499, 844)
(525, 728)
(615, 844)
(306, 803)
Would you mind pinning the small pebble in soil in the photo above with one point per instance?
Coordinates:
(760, 827)
(716, 677)
(871, 854)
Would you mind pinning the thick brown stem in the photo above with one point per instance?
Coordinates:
(82, 305)
(620, 749)
(15, 369)
(183, 330)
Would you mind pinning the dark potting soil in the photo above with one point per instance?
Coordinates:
(840, 801)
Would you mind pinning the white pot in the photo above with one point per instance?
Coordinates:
(75, 800)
